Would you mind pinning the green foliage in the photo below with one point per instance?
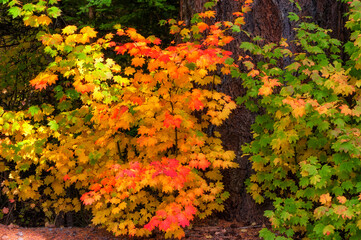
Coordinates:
(306, 149)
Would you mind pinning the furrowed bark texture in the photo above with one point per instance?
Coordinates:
(268, 19)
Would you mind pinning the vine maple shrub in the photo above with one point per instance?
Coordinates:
(306, 147)
(129, 141)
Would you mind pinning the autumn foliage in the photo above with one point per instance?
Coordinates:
(127, 139)
(129, 136)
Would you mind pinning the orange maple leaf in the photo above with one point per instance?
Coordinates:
(237, 14)
(325, 199)
(44, 20)
(203, 164)
(138, 61)
(202, 26)
(84, 88)
(43, 80)
(129, 71)
(345, 110)
(96, 187)
(207, 14)
(341, 199)
(227, 39)
(265, 90)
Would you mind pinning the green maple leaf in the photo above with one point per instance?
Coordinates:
(208, 5)
(236, 28)
(293, 16)
(53, 125)
(29, 7)
(24, 167)
(267, 234)
(15, 11)
(33, 110)
(229, 61)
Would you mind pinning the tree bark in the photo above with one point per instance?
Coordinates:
(268, 19)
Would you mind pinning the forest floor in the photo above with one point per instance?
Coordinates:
(220, 230)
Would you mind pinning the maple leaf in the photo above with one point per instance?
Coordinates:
(207, 14)
(299, 111)
(345, 110)
(120, 49)
(161, 213)
(341, 199)
(129, 71)
(138, 61)
(171, 121)
(43, 80)
(265, 90)
(152, 223)
(96, 187)
(44, 20)
(69, 29)
(84, 88)
(156, 41)
(203, 164)
(89, 31)
(66, 177)
(238, 14)
(184, 32)
(183, 221)
(227, 39)
(325, 199)
(86, 199)
(5, 210)
(170, 172)
(202, 26)
(190, 211)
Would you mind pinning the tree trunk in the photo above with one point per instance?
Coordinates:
(269, 20)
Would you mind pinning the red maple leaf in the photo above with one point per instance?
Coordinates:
(96, 187)
(170, 173)
(183, 221)
(152, 224)
(66, 177)
(190, 210)
(86, 199)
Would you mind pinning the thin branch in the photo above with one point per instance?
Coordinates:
(10, 45)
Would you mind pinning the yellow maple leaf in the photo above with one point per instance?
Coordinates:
(69, 29)
(359, 224)
(57, 187)
(115, 210)
(89, 31)
(185, 32)
(299, 111)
